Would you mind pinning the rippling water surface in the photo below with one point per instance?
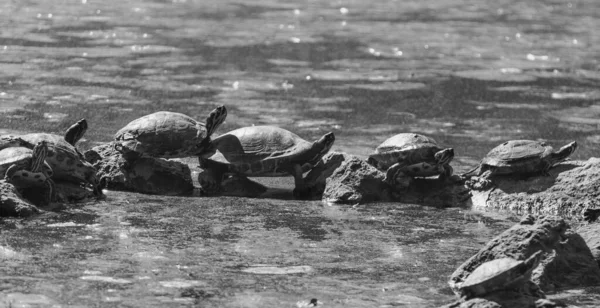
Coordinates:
(468, 73)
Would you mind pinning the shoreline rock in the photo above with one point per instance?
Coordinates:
(13, 204)
(571, 188)
(144, 175)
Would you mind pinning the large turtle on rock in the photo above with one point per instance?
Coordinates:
(263, 151)
(499, 274)
(65, 159)
(168, 134)
(24, 167)
(411, 155)
(517, 157)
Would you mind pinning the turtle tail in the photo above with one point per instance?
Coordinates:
(215, 119)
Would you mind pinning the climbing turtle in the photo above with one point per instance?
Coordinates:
(24, 167)
(518, 157)
(65, 159)
(411, 155)
(499, 274)
(263, 151)
(168, 134)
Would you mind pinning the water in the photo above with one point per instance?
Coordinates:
(471, 75)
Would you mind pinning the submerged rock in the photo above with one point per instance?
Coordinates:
(344, 178)
(12, 202)
(144, 174)
(571, 188)
(567, 261)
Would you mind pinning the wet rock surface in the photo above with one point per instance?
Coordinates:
(144, 174)
(345, 178)
(570, 189)
(12, 202)
(567, 262)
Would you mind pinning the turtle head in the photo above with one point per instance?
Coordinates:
(215, 119)
(39, 155)
(10, 141)
(76, 131)
(444, 156)
(322, 146)
(564, 152)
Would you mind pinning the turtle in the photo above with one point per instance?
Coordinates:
(499, 274)
(168, 134)
(24, 167)
(412, 155)
(65, 159)
(263, 151)
(517, 157)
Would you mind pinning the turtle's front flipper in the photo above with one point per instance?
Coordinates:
(301, 191)
(481, 182)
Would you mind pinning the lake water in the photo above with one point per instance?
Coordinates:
(469, 74)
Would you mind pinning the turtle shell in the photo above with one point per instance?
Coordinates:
(264, 151)
(499, 274)
(523, 155)
(66, 161)
(406, 147)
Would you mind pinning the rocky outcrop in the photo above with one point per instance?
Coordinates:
(591, 235)
(344, 178)
(570, 189)
(12, 203)
(140, 174)
(567, 260)
(504, 299)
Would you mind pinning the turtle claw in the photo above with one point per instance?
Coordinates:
(479, 183)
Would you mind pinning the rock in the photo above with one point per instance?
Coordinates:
(570, 189)
(567, 262)
(12, 203)
(344, 178)
(505, 299)
(144, 174)
(591, 235)
(234, 186)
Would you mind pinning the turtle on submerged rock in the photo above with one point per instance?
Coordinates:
(24, 167)
(262, 151)
(499, 274)
(408, 155)
(168, 134)
(517, 157)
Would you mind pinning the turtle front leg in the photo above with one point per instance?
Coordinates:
(481, 182)
(301, 191)
(10, 172)
(212, 176)
(50, 193)
(393, 173)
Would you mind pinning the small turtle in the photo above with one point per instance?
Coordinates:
(263, 151)
(499, 274)
(64, 158)
(24, 167)
(517, 157)
(168, 134)
(412, 155)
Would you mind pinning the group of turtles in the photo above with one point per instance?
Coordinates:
(34, 160)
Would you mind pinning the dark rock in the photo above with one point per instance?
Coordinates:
(234, 186)
(344, 178)
(12, 203)
(567, 261)
(591, 235)
(571, 188)
(142, 174)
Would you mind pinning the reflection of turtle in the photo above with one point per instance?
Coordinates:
(64, 158)
(168, 134)
(24, 167)
(411, 155)
(499, 274)
(518, 157)
(263, 151)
